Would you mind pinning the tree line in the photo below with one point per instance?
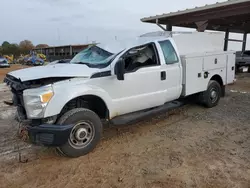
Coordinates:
(24, 47)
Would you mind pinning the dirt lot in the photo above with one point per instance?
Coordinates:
(4, 71)
(190, 147)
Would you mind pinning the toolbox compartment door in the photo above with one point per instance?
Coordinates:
(230, 68)
(212, 62)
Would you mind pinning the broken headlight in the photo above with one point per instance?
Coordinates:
(36, 100)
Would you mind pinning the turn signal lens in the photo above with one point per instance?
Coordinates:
(45, 98)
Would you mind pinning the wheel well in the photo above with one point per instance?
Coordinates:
(91, 102)
(220, 81)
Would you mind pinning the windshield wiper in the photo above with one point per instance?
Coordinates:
(83, 63)
(91, 65)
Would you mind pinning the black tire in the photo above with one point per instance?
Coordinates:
(206, 96)
(76, 117)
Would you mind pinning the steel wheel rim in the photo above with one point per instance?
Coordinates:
(214, 95)
(81, 135)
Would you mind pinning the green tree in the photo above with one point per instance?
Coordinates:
(14, 49)
(1, 51)
(5, 44)
(10, 49)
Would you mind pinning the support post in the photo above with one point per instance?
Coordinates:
(159, 25)
(226, 40)
(70, 51)
(169, 27)
(244, 42)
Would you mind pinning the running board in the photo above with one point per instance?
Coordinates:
(141, 115)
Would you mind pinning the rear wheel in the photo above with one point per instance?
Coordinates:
(85, 134)
(211, 96)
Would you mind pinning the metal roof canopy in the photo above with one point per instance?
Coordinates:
(229, 16)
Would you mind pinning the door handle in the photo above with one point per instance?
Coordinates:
(163, 75)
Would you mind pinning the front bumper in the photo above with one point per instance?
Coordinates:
(49, 135)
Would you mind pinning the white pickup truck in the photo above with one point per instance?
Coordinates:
(66, 103)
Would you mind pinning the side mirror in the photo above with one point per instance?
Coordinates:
(120, 69)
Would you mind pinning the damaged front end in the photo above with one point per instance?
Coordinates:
(30, 99)
(25, 101)
(17, 88)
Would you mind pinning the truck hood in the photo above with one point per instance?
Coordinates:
(54, 71)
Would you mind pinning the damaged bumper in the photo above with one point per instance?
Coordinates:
(49, 135)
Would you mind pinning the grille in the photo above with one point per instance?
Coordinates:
(17, 88)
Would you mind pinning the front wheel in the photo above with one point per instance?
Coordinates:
(211, 96)
(85, 134)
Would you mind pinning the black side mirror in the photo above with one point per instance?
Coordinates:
(120, 69)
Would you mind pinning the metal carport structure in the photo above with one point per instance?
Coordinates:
(229, 16)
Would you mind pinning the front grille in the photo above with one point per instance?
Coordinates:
(17, 88)
(14, 83)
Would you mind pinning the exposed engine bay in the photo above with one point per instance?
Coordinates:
(17, 85)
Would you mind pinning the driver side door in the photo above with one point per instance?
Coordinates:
(141, 88)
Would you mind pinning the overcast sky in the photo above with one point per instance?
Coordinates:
(58, 22)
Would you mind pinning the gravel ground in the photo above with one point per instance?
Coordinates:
(188, 147)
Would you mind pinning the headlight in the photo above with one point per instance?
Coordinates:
(45, 98)
(36, 100)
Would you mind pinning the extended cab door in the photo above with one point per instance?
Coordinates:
(171, 64)
(142, 87)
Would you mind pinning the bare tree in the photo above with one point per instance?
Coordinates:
(26, 46)
(42, 46)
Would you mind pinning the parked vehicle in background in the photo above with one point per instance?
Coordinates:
(242, 60)
(34, 60)
(10, 58)
(42, 56)
(67, 103)
(4, 63)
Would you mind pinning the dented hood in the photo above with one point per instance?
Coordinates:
(53, 71)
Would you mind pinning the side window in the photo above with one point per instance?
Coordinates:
(168, 52)
(140, 57)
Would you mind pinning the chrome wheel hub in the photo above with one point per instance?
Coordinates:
(81, 135)
(213, 95)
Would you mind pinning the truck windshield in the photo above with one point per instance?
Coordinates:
(94, 57)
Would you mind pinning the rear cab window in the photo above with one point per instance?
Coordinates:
(169, 52)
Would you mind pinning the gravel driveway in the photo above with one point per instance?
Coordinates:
(188, 147)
